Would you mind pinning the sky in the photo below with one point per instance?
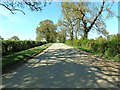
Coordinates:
(24, 26)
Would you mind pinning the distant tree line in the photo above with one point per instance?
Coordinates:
(12, 38)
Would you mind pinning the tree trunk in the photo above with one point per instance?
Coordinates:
(85, 34)
(48, 39)
(71, 35)
(76, 35)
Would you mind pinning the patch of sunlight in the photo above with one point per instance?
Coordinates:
(43, 61)
(102, 83)
(33, 60)
(68, 75)
(76, 61)
(9, 75)
(27, 82)
(84, 55)
(51, 77)
(27, 78)
(77, 55)
(43, 64)
(36, 65)
(99, 74)
(52, 61)
(62, 58)
(2, 86)
(15, 85)
(70, 60)
(22, 86)
(93, 68)
(89, 71)
(115, 78)
(56, 54)
(53, 57)
(81, 63)
(78, 87)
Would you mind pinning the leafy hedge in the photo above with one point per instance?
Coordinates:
(106, 47)
(11, 46)
(10, 60)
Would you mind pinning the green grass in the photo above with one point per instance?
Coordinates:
(16, 57)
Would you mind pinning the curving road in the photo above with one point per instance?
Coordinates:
(61, 66)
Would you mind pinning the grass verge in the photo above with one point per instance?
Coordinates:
(10, 60)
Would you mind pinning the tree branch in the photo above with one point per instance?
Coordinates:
(11, 10)
(7, 8)
(19, 10)
(99, 13)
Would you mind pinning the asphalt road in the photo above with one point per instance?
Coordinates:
(61, 66)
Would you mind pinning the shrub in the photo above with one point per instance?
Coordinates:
(10, 46)
(68, 42)
(108, 47)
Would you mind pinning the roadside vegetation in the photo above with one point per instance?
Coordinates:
(10, 60)
(14, 45)
(83, 17)
(107, 47)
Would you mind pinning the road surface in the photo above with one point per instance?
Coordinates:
(61, 66)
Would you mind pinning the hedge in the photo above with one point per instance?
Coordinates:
(12, 60)
(107, 48)
(11, 46)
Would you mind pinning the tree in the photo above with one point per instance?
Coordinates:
(47, 31)
(62, 31)
(61, 37)
(14, 38)
(1, 38)
(33, 5)
(68, 19)
(88, 14)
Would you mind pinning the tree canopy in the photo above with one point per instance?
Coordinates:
(14, 38)
(86, 16)
(47, 31)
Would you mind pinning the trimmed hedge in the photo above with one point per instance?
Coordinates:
(11, 60)
(11, 46)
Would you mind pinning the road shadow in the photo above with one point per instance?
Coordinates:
(60, 68)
